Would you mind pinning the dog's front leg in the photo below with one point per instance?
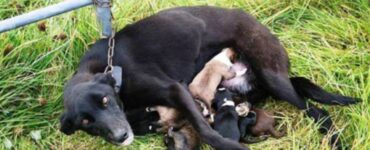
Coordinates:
(180, 98)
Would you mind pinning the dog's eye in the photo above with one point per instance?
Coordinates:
(105, 101)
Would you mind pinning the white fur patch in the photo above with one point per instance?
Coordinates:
(241, 72)
(228, 103)
(243, 109)
(223, 57)
(239, 83)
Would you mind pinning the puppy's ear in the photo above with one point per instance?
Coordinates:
(105, 79)
(66, 124)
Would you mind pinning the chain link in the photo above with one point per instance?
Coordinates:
(111, 40)
(102, 3)
(111, 45)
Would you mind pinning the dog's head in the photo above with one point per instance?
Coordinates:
(95, 108)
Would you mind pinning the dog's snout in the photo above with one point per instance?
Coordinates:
(122, 138)
(118, 136)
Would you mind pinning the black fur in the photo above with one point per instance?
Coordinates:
(159, 52)
(245, 123)
(226, 117)
(307, 89)
(142, 121)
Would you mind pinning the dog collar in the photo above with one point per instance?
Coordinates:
(117, 76)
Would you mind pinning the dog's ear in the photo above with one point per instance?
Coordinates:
(66, 124)
(105, 79)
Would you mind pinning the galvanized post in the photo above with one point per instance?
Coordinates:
(104, 14)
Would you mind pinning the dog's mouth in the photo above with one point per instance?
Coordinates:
(129, 140)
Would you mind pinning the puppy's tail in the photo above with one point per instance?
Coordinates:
(307, 89)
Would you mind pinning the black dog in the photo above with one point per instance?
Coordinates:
(170, 47)
(226, 117)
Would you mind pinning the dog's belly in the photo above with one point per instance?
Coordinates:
(242, 83)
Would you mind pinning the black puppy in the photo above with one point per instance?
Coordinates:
(143, 120)
(226, 118)
(170, 47)
(245, 123)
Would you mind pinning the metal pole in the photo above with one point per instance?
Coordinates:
(42, 13)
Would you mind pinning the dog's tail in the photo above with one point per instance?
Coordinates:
(307, 89)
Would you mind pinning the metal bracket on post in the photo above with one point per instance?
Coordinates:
(104, 15)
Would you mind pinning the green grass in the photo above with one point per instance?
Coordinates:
(327, 40)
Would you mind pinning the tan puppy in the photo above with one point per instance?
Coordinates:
(264, 124)
(205, 83)
(184, 138)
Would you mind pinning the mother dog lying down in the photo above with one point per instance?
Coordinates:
(161, 54)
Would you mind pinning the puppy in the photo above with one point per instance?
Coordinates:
(180, 134)
(167, 116)
(143, 120)
(185, 138)
(226, 117)
(245, 123)
(205, 83)
(264, 124)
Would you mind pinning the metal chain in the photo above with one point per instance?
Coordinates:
(111, 40)
(101, 3)
(111, 45)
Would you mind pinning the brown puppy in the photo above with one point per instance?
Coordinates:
(167, 116)
(184, 137)
(264, 124)
(205, 83)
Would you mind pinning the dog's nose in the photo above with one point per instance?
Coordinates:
(121, 138)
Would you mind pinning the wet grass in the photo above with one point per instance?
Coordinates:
(328, 42)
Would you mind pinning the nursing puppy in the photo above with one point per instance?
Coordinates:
(185, 138)
(143, 120)
(245, 123)
(226, 117)
(180, 135)
(203, 86)
(264, 124)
